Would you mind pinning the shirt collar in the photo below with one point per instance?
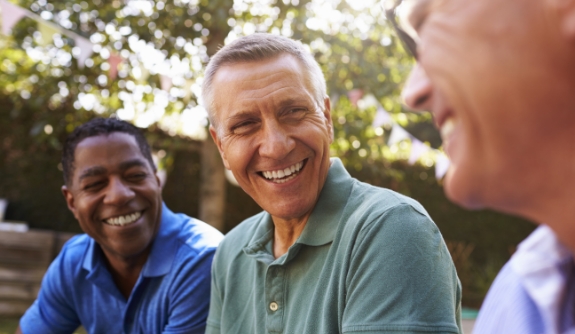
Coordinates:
(164, 246)
(543, 265)
(161, 255)
(322, 224)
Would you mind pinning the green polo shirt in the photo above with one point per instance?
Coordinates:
(369, 260)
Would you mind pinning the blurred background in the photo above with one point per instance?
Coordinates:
(65, 62)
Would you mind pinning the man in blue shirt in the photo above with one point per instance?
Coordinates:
(139, 268)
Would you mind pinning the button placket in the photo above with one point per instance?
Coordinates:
(275, 282)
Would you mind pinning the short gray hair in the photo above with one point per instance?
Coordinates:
(257, 47)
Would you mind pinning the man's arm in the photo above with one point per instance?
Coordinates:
(18, 330)
(401, 278)
(52, 311)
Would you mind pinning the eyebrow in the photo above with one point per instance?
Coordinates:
(92, 171)
(290, 102)
(416, 12)
(99, 170)
(241, 116)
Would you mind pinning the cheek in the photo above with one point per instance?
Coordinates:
(237, 153)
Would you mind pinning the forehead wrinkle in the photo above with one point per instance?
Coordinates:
(248, 90)
(268, 94)
(230, 75)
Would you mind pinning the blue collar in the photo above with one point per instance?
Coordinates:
(161, 255)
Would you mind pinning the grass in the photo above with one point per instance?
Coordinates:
(9, 325)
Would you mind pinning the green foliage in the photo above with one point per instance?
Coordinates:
(44, 94)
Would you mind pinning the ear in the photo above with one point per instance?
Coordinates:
(327, 115)
(69, 197)
(218, 142)
(158, 179)
(564, 11)
(568, 25)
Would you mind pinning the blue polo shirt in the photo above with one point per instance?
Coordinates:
(171, 295)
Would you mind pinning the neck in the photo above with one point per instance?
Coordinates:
(286, 233)
(126, 271)
(550, 197)
(559, 214)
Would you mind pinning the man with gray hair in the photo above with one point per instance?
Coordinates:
(329, 254)
(499, 79)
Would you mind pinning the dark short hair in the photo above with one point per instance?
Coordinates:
(101, 127)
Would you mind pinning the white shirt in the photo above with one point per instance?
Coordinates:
(534, 292)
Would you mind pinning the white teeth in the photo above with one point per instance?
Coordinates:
(123, 220)
(283, 175)
(447, 128)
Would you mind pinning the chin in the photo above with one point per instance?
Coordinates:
(462, 192)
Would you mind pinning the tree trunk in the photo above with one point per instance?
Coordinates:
(213, 182)
(212, 186)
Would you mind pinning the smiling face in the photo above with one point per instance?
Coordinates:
(272, 134)
(489, 71)
(115, 195)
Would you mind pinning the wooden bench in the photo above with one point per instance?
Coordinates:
(24, 258)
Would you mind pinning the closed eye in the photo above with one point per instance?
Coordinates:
(243, 127)
(137, 176)
(295, 113)
(93, 186)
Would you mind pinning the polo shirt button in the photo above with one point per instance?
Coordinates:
(273, 306)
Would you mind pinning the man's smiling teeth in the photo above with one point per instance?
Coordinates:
(447, 128)
(283, 175)
(123, 220)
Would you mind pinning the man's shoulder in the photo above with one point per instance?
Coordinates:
(70, 259)
(75, 248)
(373, 201)
(194, 234)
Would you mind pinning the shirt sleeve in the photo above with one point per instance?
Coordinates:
(401, 278)
(52, 312)
(190, 297)
(216, 300)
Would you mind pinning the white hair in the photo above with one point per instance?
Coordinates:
(257, 47)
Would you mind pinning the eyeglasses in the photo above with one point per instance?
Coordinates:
(408, 42)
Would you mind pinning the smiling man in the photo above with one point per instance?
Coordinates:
(139, 268)
(499, 78)
(329, 254)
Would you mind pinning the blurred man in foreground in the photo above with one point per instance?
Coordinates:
(329, 254)
(499, 78)
(139, 268)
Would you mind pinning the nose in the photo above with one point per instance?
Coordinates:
(418, 91)
(276, 142)
(118, 193)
